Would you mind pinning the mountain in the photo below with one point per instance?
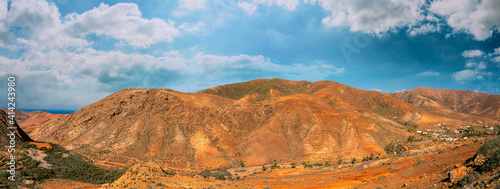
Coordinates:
(344, 97)
(256, 122)
(454, 103)
(21, 115)
(200, 130)
(41, 118)
(21, 136)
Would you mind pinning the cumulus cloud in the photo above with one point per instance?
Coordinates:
(123, 21)
(423, 29)
(375, 17)
(79, 78)
(192, 4)
(429, 74)
(476, 65)
(467, 74)
(479, 18)
(38, 25)
(472, 53)
(249, 8)
(191, 28)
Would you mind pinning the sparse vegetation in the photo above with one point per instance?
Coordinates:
(327, 164)
(242, 164)
(421, 161)
(353, 161)
(469, 178)
(318, 164)
(391, 148)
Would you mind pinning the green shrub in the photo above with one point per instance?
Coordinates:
(493, 162)
(170, 173)
(307, 166)
(327, 164)
(242, 164)
(420, 161)
(27, 146)
(318, 164)
(353, 161)
(489, 146)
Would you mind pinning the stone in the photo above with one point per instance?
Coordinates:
(458, 173)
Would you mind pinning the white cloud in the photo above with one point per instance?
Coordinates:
(190, 28)
(479, 66)
(423, 29)
(249, 8)
(288, 4)
(375, 17)
(472, 53)
(123, 21)
(429, 74)
(478, 18)
(192, 4)
(40, 25)
(82, 77)
(465, 75)
(378, 90)
(496, 59)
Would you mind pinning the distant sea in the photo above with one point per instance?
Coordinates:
(51, 111)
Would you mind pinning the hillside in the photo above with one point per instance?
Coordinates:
(22, 115)
(454, 103)
(21, 136)
(37, 120)
(194, 131)
(255, 122)
(343, 96)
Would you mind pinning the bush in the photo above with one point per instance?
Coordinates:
(340, 161)
(293, 165)
(74, 167)
(493, 162)
(381, 177)
(242, 164)
(469, 178)
(318, 164)
(420, 161)
(353, 161)
(327, 164)
(171, 173)
(27, 146)
(307, 166)
(489, 146)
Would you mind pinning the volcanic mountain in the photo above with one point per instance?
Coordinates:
(255, 122)
(41, 118)
(21, 136)
(21, 115)
(454, 103)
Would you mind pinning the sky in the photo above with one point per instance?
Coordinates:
(69, 54)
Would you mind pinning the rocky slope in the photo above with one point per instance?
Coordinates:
(21, 115)
(21, 136)
(256, 122)
(454, 103)
(198, 130)
(38, 120)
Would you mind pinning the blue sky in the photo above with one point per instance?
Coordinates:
(68, 54)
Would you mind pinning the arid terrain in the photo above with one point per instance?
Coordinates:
(269, 133)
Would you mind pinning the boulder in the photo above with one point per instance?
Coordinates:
(458, 173)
